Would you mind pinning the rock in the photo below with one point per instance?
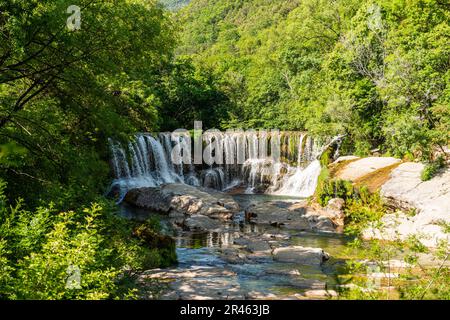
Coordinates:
(322, 223)
(320, 294)
(345, 158)
(198, 283)
(335, 210)
(288, 216)
(183, 199)
(306, 283)
(233, 256)
(429, 202)
(150, 199)
(359, 168)
(177, 218)
(201, 223)
(258, 246)
(153, 239)
(300, 255)
(276, 236)
(290, 272)
(336, 204)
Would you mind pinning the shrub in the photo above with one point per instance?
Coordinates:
(330, 188)
(81, 254)
(362, 209)
(432, 168)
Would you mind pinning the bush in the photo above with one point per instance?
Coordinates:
(361, 206)
(432, 168)
(331, 188)
(362, 209)
(83, 254)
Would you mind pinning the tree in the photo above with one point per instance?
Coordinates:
(64, 93)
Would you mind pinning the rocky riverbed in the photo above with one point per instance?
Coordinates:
(420, 208)
(238, 246)
(243, 246)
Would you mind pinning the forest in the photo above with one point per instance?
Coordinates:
(374, 71)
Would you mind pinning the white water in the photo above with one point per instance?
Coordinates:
(146, 162)
(301, 182)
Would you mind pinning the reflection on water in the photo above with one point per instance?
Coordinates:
(222, 239)
(246, 200)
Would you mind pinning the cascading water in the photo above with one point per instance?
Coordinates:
(147, 162)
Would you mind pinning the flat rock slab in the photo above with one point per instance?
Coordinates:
(198, 283)
(430, 200)
(346, 158)
(320, 294)
(202, 223)
(290, 216)
(359, 168)
(300, 255)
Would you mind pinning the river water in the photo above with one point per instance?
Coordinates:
(260, 276)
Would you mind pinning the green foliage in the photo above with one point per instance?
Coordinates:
(333, 188)
(64, 93)
(190, 95)
(362, 209)
(432, 168)
(40, 250)
(376, 71)
(174, 4)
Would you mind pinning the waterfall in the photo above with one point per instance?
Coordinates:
(249, 161)
(300, 182)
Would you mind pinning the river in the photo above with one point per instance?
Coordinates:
(217, 265)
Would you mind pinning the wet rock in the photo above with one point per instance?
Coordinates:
(276, 215)
(198, 283)
(321, 223)
(258, 246)
(306, 283)
(276, 236)
(150, 199)
(300, 255)
(255, 249)
(183, 199)
(255, 295)
(294, 216)
(177, 218)
(289, 272)
(233, 256)
(201, 223)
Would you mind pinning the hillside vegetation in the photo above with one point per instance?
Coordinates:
(377, 71)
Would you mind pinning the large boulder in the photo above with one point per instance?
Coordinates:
(183, 199)
(149, 199)
(427, 202)
(355, 170)
(300, 255)
(201, 223)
